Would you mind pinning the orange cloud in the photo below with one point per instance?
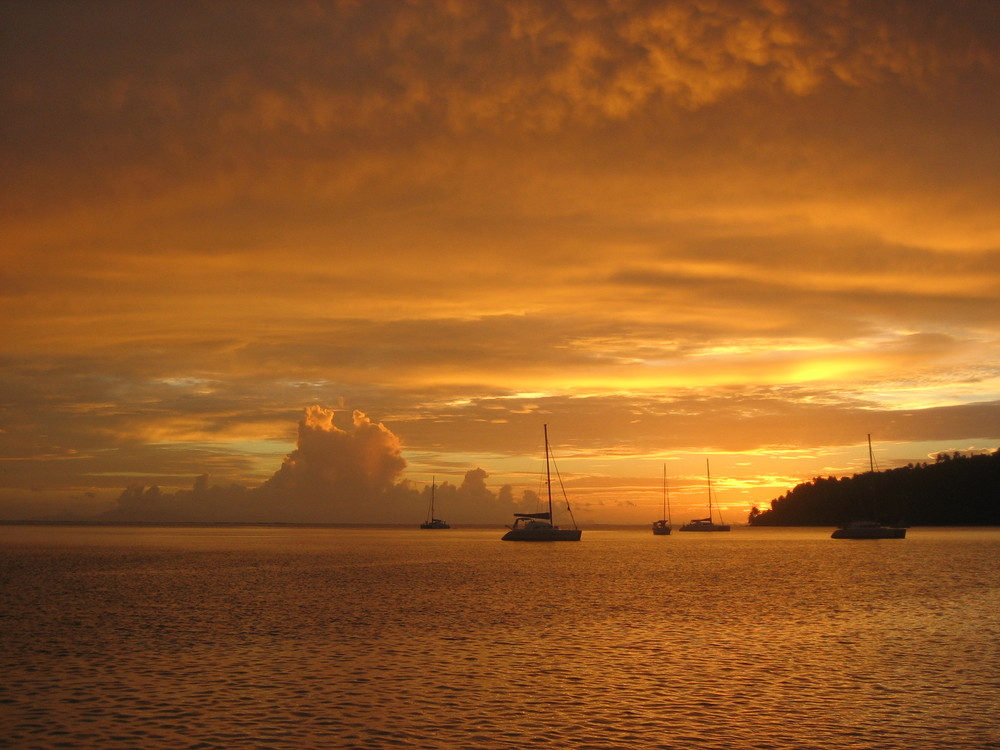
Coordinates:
(431, 207)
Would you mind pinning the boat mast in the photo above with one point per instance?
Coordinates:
(665, 516)
(874, 493)
(666, 493)
(432, 497)
(548, 473)
(708, 475)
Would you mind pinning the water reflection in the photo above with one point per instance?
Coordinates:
(321, 637)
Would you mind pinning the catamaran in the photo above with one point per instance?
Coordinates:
(538, 527)
(865, 529)
(432, 522)
(707, 524)
(662, 527)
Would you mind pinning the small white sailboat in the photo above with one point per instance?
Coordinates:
(866, 529)
(707, 524)
(662, 527)
(432, 522)
(538, 527)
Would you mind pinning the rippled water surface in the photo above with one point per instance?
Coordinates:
(131, 637)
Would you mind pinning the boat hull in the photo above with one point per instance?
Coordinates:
(435, 525)
(542, 535)
(869, 531)
(661, 528)
(705, 527)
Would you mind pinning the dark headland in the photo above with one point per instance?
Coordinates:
(955, 490)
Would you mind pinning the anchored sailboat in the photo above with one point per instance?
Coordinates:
(864, 529)
(538, 527)
(662, 527)
(432, 522)
(706, 524)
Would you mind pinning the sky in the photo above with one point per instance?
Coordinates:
(298, 260)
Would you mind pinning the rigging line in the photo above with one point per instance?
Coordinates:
(563, 488)
(873, 463)
(717, 508)
(712, 495)
(666, 494)
(540, 490)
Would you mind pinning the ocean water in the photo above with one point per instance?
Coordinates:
(258, 637)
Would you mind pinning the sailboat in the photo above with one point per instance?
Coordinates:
(538, 527)
(866, 529)
(662, 527)
(706, 524)
(432, 522)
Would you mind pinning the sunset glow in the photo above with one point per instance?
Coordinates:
(752, 231)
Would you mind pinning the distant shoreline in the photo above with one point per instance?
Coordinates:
(405, 527)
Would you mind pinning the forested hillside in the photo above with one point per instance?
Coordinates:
(955, 490)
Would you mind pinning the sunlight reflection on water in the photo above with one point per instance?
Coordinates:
(317, 637)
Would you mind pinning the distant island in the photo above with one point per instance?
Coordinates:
(955, 490)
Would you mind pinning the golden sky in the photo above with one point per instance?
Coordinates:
(753, 231)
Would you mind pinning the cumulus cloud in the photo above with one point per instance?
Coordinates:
(334, 475)
(472, 501)
(360, 462)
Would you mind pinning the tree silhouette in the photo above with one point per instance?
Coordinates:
(955, 490)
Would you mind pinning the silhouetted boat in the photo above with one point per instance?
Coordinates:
(868, 530)
(706, 524)
(538, 527)
(432, 522)
(662, 527)
(865, 529)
